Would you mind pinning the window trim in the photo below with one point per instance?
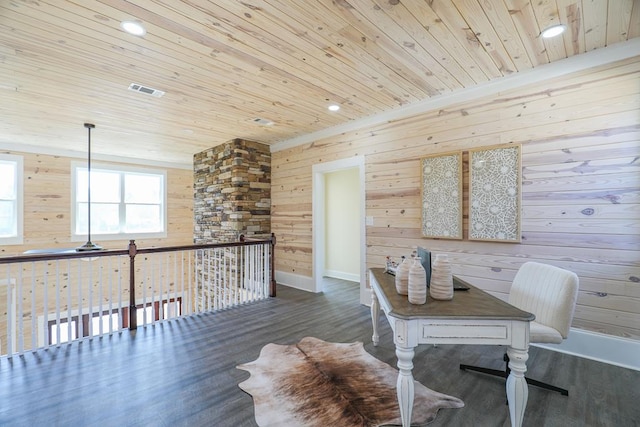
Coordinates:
(18, 239)
(75, 165)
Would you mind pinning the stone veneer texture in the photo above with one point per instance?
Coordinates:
(232, 192)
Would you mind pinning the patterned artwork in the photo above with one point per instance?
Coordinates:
(442, 196)
(494, 194)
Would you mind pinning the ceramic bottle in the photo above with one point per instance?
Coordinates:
(402, 277)
(441, 286)
(417, 283)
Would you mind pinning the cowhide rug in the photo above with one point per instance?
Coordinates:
(317, 383)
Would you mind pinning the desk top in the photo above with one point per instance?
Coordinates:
(471, 304)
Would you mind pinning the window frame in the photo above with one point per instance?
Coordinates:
(18, 239)
(122, 171)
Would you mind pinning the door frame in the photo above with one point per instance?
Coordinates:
(318, 220)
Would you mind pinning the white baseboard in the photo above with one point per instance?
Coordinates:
(296, 281)
(600, 347)
(342, 275)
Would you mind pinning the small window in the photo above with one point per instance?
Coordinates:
(125, 203)
(10, 199)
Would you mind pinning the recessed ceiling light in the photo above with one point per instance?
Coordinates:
(133, 27)
(554, 30)
(334, 107)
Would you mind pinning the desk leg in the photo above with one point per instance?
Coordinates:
(517, 391)
(405, 386)
(375, 315)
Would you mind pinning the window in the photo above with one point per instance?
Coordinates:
(10, 199)
(124, 203)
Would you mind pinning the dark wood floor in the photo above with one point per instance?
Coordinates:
(182, 372)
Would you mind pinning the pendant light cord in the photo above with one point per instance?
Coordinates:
(89, 126)
(89, 246)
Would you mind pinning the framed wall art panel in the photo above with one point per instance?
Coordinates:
(494, 193)
(442, 196)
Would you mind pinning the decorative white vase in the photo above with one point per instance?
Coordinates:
(417, 283)
(441, 286)
(402, 277)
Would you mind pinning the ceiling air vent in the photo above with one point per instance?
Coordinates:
(144, 89)
(262, 122)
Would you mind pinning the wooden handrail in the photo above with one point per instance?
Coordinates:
(70, 254)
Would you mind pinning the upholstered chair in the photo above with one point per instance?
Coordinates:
(550, 293)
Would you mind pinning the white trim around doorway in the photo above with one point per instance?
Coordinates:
(318, 227)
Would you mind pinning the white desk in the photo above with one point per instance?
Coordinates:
(471, 317)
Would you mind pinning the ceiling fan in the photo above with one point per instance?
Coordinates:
(89, 245)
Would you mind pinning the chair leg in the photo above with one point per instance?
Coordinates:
(505, 374)
(539, 383)
(494, 372)
(546, 386)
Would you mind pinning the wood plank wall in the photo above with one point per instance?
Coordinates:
(47, 224)
(580, 137)
(47, 204)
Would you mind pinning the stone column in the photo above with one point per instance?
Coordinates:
(232, 192)
(232, 196)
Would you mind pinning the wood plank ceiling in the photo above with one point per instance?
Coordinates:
(223, 64)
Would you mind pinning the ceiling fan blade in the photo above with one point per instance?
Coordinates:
(50, 251)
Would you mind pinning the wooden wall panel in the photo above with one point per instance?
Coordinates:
(47, 204)
(580, 137)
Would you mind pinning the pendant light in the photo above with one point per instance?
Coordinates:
(89, 246)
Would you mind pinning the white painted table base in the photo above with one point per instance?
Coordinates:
(498, 325)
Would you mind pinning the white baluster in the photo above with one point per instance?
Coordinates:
(120, 306)
(34, 334)
(10, 313)
(57, 329)
(201, 306)
(237, 274)
(69, 302)
(100, 274)
(79, 281)
(20, 318)
(45, 305)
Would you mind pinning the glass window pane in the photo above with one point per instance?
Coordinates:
(81, 185)
(105, 186)
(104, 319)
(171, 309)
(7, 219)
(138, 196)
(7, 181)
(143, 218)
(105, 218)
(62, 335)
(145, 315)
(142, 188)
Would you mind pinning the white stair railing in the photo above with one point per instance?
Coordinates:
(49, 300)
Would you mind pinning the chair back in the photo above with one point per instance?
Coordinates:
(547, 291)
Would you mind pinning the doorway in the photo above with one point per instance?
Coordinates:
(319, 230)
